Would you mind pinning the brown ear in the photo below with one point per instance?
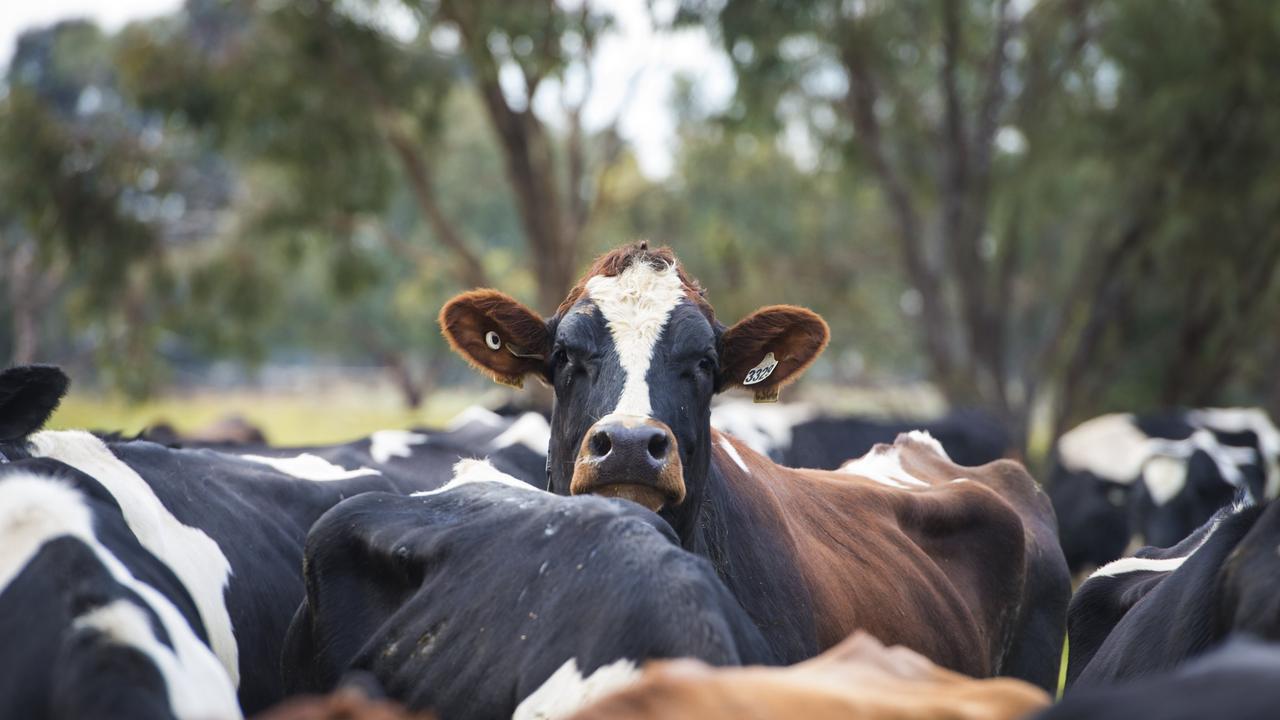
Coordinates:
(496, 334)
(771, 347)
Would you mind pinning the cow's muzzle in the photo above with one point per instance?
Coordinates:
(631, 457)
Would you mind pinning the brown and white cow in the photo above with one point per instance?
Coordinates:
(859, 678)
(968, 573)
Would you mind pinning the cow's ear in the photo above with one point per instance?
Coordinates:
(769, 348)
(28, 396)
(496, 334)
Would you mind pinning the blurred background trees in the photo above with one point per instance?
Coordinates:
(1047, 209)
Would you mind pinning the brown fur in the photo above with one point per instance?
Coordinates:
(344, 704)
(938, 570)
(466, 319)
(796, 337)
(859, 678)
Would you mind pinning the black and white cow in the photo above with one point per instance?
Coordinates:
(1147, 614)
(635, 354)
(1239, 680)
(94, 625)
(799, 435)
(488, 597)
(230, 528)
(1122, 480)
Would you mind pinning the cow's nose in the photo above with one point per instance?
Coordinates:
(639, 443)
(630, 457)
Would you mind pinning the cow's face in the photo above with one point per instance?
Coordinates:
(635, 355)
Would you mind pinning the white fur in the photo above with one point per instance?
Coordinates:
(192, 555)
(35, 510)
(532, 431)
(386, 444)
(883, 464)
(923, 436)
(763, 428)
(1109, 446)
(566, 691)
(311, 467)
(1136, 564)
(1242, 419)
(732, 452)
(636, 303)
(470, 470)
(1164, 478)
(475, 414)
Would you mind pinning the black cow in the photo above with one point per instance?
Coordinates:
(1147, 614)
(1150, 479)
(94, 625)
(231, 528)
(469, 599)
(801, 437)
(1240, 681)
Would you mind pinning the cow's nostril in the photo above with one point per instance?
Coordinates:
(658, 446)
(601, 444)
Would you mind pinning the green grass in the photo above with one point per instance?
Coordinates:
(325, 416)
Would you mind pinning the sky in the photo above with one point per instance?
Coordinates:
(633, 74)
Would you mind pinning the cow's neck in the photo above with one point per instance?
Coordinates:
(740, 529)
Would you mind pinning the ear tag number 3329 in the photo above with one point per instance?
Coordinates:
(758, 373)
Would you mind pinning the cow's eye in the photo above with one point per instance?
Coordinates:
(707, 365)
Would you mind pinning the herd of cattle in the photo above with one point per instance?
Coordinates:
(640, 554)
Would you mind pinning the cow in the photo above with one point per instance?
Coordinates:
(488, 597)
(230, 527)
(95, 625)
(358, 698)
(960, 564)
(800, 436)
(1238, 680)
(1124, 480)
(1149, 613)
(859, 678)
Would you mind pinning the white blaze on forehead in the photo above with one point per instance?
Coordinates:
(636, 303)
(189, 552)
(1109, 446)
(883, 464)
(532, 431)
(566, 690)
(469, 471)
(310, 467)
(35, 510)
(386, 444)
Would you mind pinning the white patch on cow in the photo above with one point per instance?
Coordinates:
(732, 452)
(636, 304)
(923, 436)
(1241, 420)
(386, 444)
(1137, 564)
(1227, 459)
(197, 684)
(190, 553)
(470, 470)
(1109, 446)
(566, 691)
(478, 415)
(311, 467)
(532, 431)
(1164, 478)
(763, 428)
(883, 465)
(35, 510)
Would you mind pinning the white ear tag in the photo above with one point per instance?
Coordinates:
(762, 371)
(492, 340)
